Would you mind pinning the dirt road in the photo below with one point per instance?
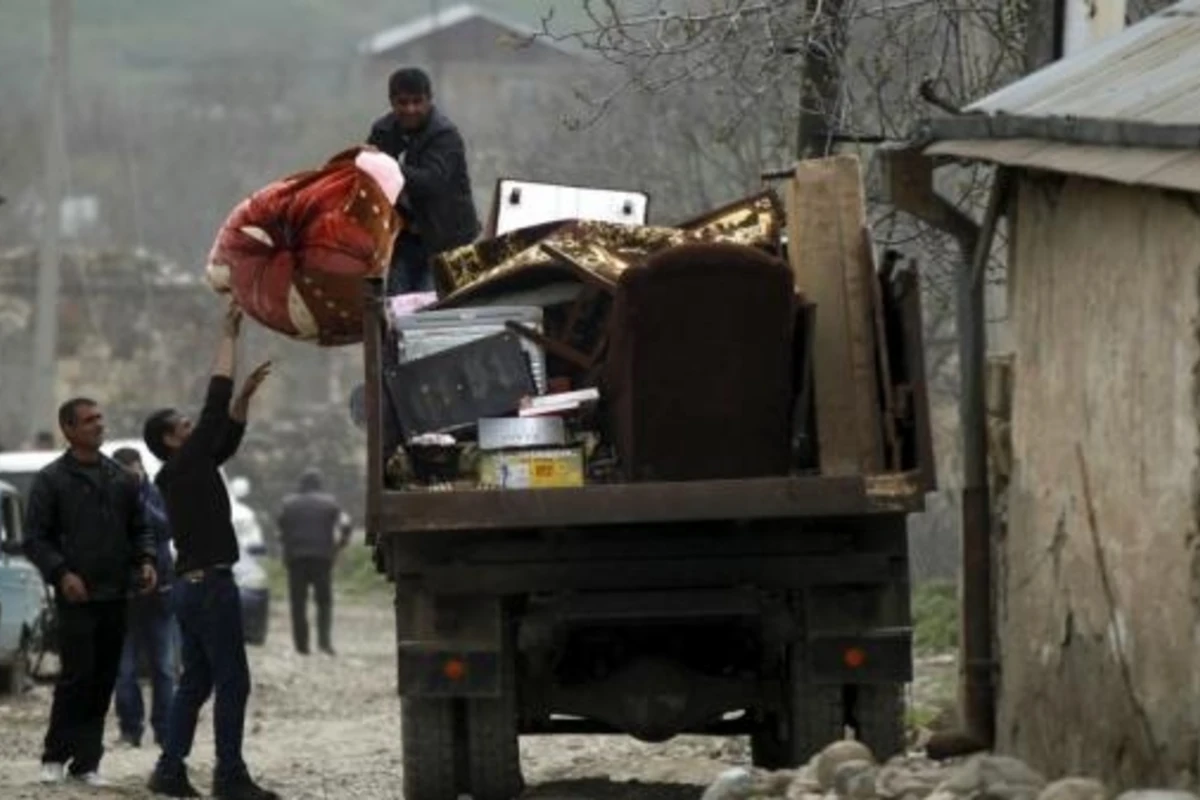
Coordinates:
(326, 728)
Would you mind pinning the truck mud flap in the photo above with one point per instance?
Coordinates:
(881, 656)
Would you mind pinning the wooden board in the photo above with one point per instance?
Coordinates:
(826, 217)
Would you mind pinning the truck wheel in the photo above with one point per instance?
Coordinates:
(816, 716)
(431, 748)
(879, 719)
(493, 754)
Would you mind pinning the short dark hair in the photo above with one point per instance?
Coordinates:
(68, 412)
(155, 430)
(127, 456)
(409, 80)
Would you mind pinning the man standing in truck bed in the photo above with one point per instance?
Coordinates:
(436, 203)
(205, 597)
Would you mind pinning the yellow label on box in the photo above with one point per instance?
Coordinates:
(532, 469)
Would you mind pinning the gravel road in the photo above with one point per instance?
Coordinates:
(323, 727)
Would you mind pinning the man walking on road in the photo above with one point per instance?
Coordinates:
(205, 598)
(306, 530)
(149, 629)
(86, 533)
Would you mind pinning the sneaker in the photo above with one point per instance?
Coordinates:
(93, 779)
(240, 788)
(53, 772)
(176, 786)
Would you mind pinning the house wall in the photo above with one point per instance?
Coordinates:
(1100, 590)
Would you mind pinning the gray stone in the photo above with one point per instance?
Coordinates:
(1157, 794)
(1074, 789)
(909, 778)
(855, 780)
(732, 784)
(994, 777)
(741, 783)
(837, 754)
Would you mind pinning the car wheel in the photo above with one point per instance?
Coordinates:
(14, 678)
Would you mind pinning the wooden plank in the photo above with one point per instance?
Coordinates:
(826, 216)
(914, 358)
(373, 321)
(884, 361)
(641, 503)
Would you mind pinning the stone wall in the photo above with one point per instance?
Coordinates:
(1098, 596)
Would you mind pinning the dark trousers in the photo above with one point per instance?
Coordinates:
(410, 270)
(318, 573)
(150, 635)
(213, 652)
(90, 639)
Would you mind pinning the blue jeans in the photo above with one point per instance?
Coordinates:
(213, 652)
(149, 631)
(410, 270)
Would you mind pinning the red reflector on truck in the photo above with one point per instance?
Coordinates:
(454, 669)
(855, 657)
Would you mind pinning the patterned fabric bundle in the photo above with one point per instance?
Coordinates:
(294, 254)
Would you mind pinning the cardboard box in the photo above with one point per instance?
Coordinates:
(550, 468)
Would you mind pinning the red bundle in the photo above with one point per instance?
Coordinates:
(294, 254)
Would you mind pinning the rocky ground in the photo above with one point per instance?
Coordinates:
(324, 727)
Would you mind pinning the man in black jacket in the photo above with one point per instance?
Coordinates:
(306, 529)
(205, 598)
(436, 201)
(86, 533)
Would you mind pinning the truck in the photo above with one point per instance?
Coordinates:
(774, 607)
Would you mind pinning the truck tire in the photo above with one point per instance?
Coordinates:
(493, 752)
(431, 747)
(816, 716)
(493, 757)
(879, 719)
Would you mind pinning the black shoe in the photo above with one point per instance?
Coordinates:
(302, 651)
(171, 785)
(130, 740)
(240, 788)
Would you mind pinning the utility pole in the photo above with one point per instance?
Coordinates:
(821, 79)
(45, 336)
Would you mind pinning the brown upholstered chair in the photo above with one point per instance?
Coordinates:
(698, 379)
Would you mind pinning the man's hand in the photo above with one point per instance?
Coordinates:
(232, 324)
(241, 404)
(73, 588)
(148, 579)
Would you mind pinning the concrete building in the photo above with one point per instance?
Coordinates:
(1098, 585)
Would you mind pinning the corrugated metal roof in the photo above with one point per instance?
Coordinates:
(1135, 166)
(1148, 73)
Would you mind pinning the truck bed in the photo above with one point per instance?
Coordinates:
(800, 496)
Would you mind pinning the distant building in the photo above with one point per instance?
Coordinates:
(478, 59)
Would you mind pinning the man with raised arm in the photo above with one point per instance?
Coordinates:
(205, 598)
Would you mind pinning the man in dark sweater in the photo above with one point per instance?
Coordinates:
(149, 626)
(436, 201)
(205, 598)
(85, 531)
(307, 525)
